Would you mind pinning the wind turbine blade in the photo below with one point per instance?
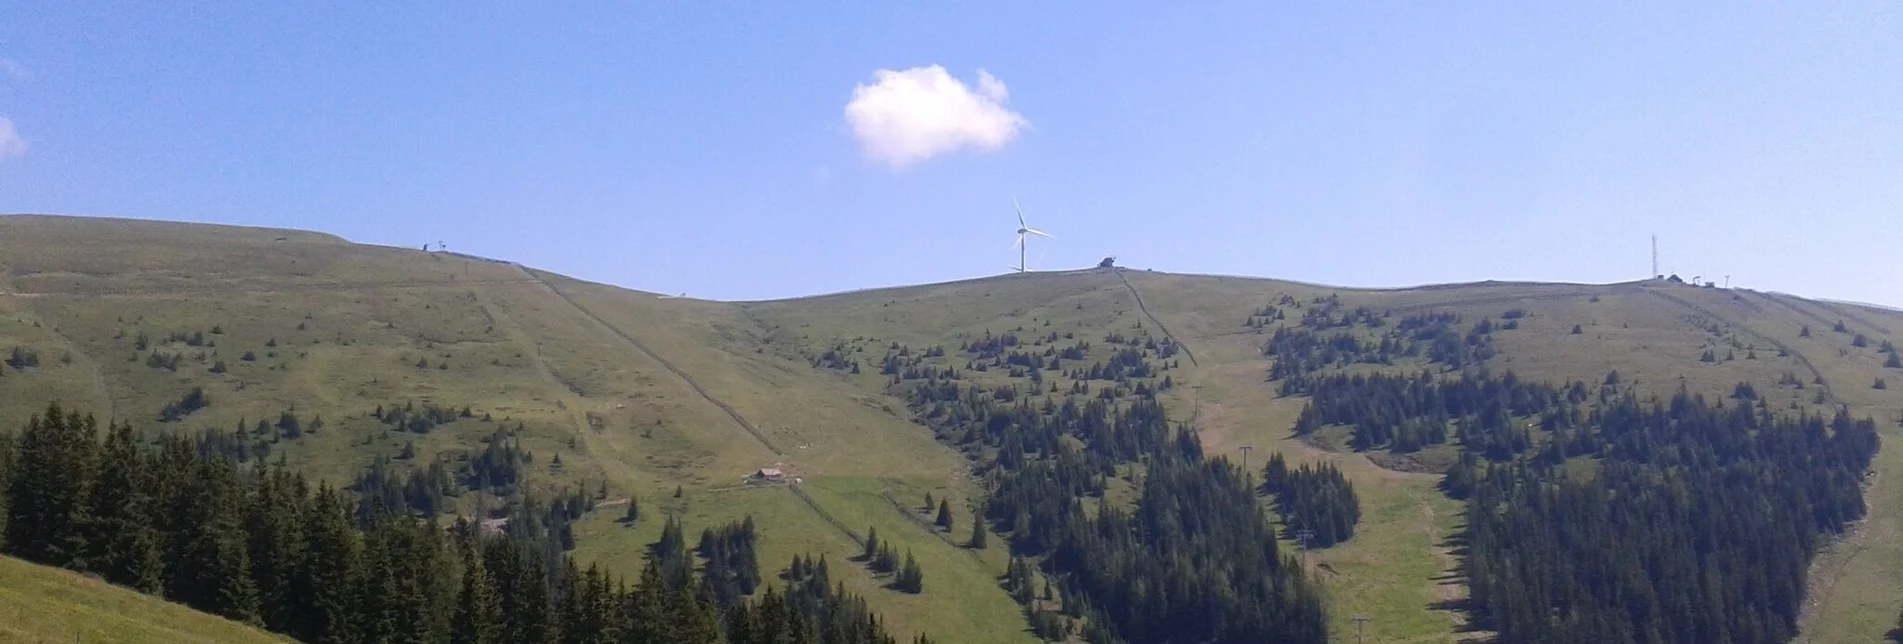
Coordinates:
(1020, 209)
(1035, 231)
(1019, 242)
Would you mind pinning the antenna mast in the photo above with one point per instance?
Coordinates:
(1655, 257)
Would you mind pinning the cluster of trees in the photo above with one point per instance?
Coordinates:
(192, 401)
(425, 491)
(1312, 347)
(732, 568)
(259, 545)
(502, 465)
(813, 608)
(881, 558)
(1698, 525)
(193, 339)
(1299, 351)
(163, 360)
(408, 418)
(1196, 561)
(22, 358)
(1405, 413)
(1316, 498)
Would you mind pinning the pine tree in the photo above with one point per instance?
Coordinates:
(872, 543)
(977, 540)
(275, 525)
(911, 579)
(522, 585)
(944, 516)
(47, 519)
(478, 610)
(324, 587)
(124, 542)
(647, 612)
(216, 564)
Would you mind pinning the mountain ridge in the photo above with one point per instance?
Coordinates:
(650, 394)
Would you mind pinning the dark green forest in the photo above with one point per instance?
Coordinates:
(1594, 516)
(1196, 559)
(183, 519)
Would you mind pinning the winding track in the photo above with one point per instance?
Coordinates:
(1159, 323)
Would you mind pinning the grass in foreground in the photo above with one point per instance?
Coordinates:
(41, 604)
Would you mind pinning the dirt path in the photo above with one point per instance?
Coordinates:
(1159, 323)
(927, 526)
(828, 516)
(604, 458)
(1828, 567)
(665, 363)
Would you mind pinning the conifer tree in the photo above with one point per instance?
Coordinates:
(275, 530)
(872, 543)
(911, 579)
(324, 587)
(47, 517)
(478, 617)
(977, 540)
(647, 610)
(214, 566)
(944, 516)
(124, 542)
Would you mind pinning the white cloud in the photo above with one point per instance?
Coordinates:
(908, 116)
(11, 145)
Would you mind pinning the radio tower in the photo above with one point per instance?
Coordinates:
(1655, 257)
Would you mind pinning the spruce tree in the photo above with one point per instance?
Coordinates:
(216, 567)
(648, 614)
(944, 516)
(324, 588)
(911, 579)
(47, 519)
(478, 617)
(977, 541)
(275, 543)
(872, 543)
(124, 541)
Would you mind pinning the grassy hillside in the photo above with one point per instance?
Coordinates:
(40, 604)
(652, 394)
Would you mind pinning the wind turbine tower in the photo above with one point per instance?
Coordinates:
(1024, 230)
(1655, 257)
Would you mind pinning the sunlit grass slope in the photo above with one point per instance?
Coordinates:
(41, 604)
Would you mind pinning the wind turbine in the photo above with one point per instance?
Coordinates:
(1024, 230)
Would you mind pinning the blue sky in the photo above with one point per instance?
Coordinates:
(705, 147)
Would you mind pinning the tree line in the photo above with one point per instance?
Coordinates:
(260, 545)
